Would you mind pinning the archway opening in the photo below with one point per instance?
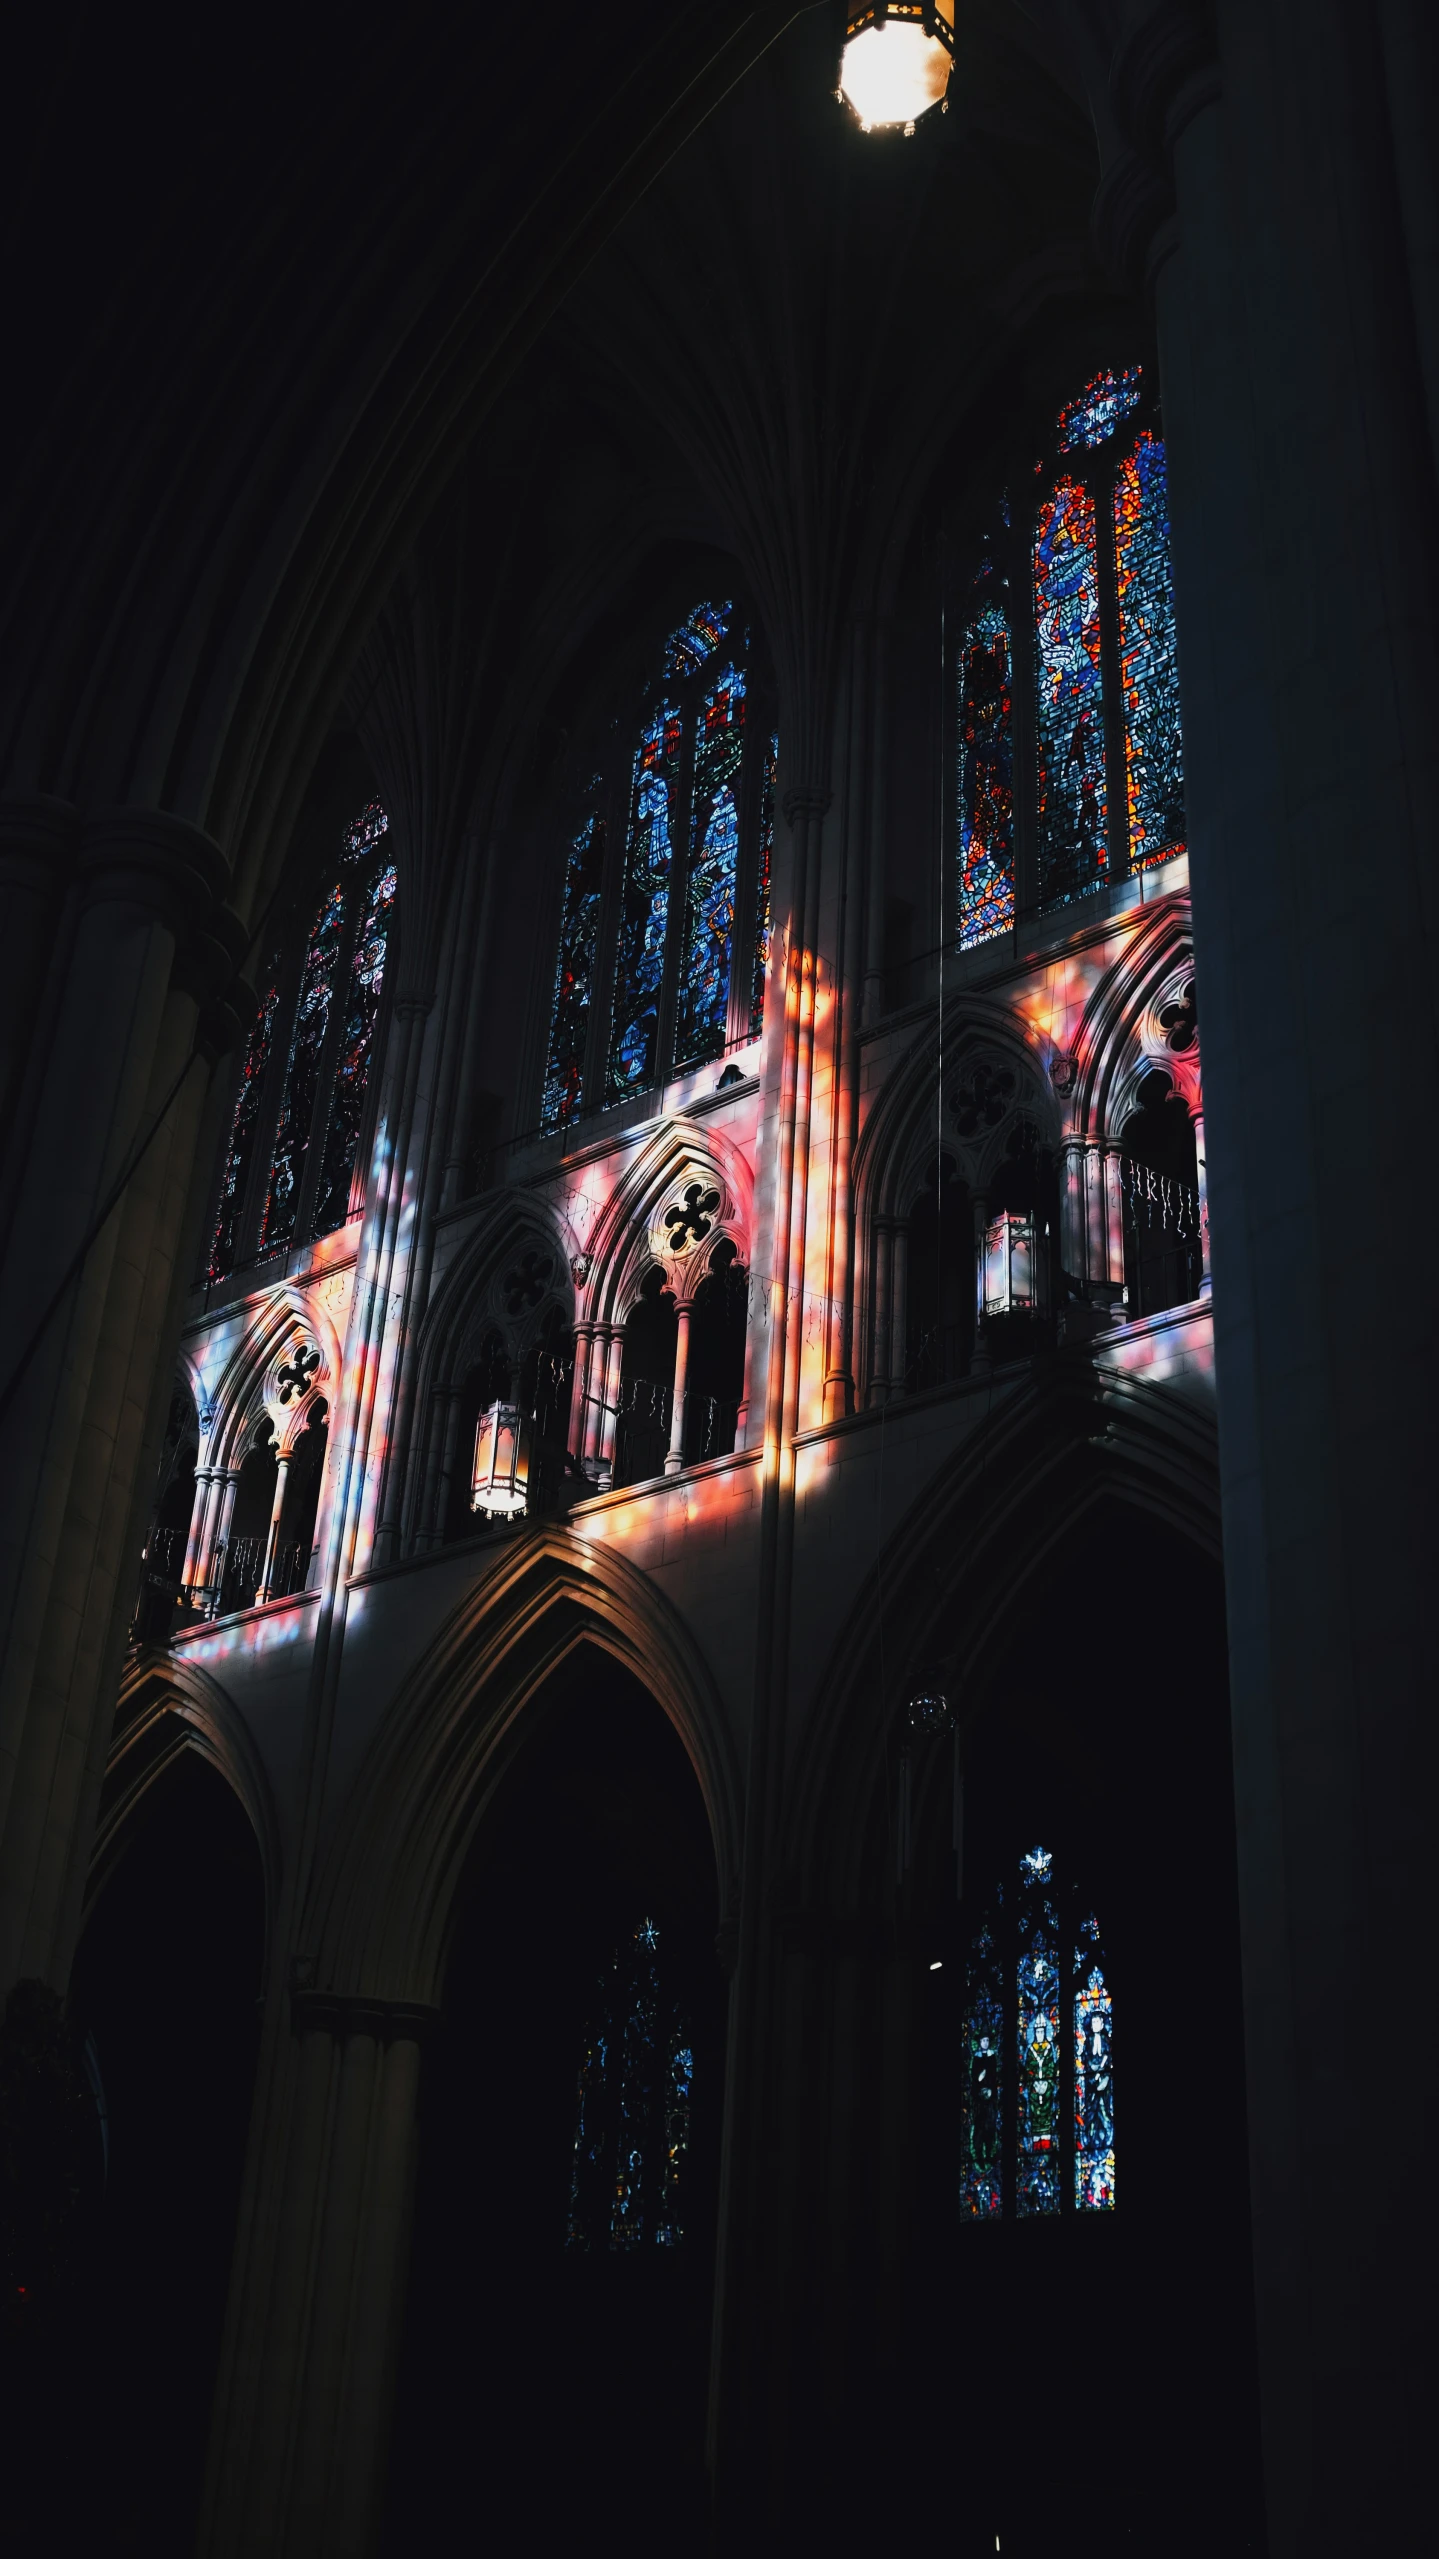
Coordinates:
(940, 1311)
(714, 1379)
(554, 2358)
(166, 1987)
(647, 1383)
(243, 1564)
(1097, 1732)
(1163, 1260)
(295, 1537)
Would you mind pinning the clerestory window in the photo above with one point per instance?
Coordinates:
(1038, 2053)
(294, 1165)
(1069, 758)
(664, 930)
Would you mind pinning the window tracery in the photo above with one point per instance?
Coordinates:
(682, 875)
(633, 2107)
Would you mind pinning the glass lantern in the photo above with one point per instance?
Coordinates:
(1012, 1270)
(499, 1485)
(896, 61)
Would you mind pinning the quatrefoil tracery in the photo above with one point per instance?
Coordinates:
(295, 1375)
(690, 1219)
(525, 1286)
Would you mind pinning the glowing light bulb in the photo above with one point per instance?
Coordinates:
(937, 1967)
(896, 64)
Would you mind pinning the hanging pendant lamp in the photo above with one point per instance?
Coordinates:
(499, 1485)
(898, 55)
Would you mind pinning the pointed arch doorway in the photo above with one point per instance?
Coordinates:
(552, 2345)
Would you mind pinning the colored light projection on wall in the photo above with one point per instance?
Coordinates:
(982, 2171)
(357, 1045)
(633, 2116)
(239, 1155)
(986, 778)
(644, 916)
(575, 970)
(1092, 416)
(762, 890)
(1149, 665)
(1037, 2029)
(714, 865)
(1070, 706)
(1093, 2077)
(297, 1109)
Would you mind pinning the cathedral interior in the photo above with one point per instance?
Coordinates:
(713, 1734)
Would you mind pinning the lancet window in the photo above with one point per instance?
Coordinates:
(1069, 758)
(1037, 2057)
(633, 2107)
(295, 1152)
(664, 925)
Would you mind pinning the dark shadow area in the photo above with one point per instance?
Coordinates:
(1087, 2382)
(1163, 1255)
(544, 2386)
(107, 2424)
(940, 1308)
(714, 1380)
(647, 1381)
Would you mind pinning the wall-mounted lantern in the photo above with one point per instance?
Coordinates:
(499, 1486)
(1013, 1278)
(897, 61)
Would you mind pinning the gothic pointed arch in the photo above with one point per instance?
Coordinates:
(169, 1706)
(381, 1912)
(288, 1356)
(685, 1190)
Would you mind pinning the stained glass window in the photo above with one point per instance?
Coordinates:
(1148, 661)
(1069, 709)
(357, 1042)
(1095, 412)
(575, 974)
(697, 638)
(714, 866)
(644, 913)
(1038, 1999)
(762, 900)
(297, 1110)
(986, 778)
(633, 2111)
(239, 1155)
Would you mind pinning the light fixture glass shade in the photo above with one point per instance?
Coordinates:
(500, 1483)
(896, 61)
(1012, 1275)
(930, 1712)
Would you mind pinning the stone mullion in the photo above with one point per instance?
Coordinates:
(746, 897)
(618, 805)
(272, 1103)
(1116, 779)
(1024, 688)
(681, 850)
(325, 1071)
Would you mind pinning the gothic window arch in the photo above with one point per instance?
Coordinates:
(1159, 1176)
(1068, 748)
(294, 1156)
(665, 922)
(633, 2106)
(1037, 2136)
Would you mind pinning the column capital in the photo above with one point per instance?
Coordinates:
(342, 2014)
(173, 870)
(806, 799)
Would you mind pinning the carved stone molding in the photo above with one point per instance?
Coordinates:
(388, 2021)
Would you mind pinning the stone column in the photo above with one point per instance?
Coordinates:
(207, 1482)
(880, 1278)
(614, 1356)
(272, 1543)
(899, 1308)
(675, 1459)
(222, 1513)
(302, 2415)
(1201, 1183)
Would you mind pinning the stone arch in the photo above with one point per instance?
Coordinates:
(643, 1222)
(380, 1917)
(508, 1284)
(253, 1384)
(1070, 1439)
(166, 1707)
(1122, 1036)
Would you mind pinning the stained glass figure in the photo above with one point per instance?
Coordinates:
(982, 2159)
(714, 862)
(762, 899)
(1070, 708)
(1037, 2029)
(1093, 2077)
(697, 638)
(986, 779)
(1149, 665)
(632, 2130)
(239, 1155)
(575, 974)
(1091, 417)
(365, 834)
(640, 959)
(357, 1045)
(297, 1110)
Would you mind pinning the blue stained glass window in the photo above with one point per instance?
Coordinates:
(1093, 2076)
(239, 1155)
(982, 2174)
(297, 1111)
(697, 638)
(986, 778)
(1091, 417)
(632, 2130)
(714, 863)
(640, 958)
(1069, 708)
(760, 971)
(1037, 2055)
(575, 974)
(1148, 658)
(357, 1044)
